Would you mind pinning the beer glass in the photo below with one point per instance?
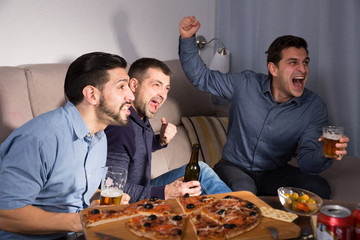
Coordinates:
(331, 135)
(112, 185)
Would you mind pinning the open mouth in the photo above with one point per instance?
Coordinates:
(298, 82)
(125, 108)
(154, 105)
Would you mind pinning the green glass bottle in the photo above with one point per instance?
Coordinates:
(192, 169)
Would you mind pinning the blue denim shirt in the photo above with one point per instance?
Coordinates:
(51, 162)
(262, 133)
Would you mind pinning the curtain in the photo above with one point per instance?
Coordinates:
(331, 29)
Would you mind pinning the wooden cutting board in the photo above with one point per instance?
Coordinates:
(286, 230)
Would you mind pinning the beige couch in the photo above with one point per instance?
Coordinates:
(27, 91)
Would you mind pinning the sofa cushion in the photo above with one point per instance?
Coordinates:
(14, 100)
(46, 86)
(175, 155)
(210, 133)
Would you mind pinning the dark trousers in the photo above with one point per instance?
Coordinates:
(266, 183)
(74, 236)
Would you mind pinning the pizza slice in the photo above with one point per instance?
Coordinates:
(98, 216)
(191, 204)
(206, 228)
(149, 206)
(157, 226)
(102, 215)
(236, 215)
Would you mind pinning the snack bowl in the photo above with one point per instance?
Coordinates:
(299, 201)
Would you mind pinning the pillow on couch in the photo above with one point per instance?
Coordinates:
(210, 133)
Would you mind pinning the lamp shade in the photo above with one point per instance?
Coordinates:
(220, 62)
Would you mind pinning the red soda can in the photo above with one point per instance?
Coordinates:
(334, 222)
(356, 217)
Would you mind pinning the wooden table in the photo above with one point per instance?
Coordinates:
(302, 221)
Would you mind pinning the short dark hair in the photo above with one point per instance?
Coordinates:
(89, 69)
(283, 42)
(139, 68)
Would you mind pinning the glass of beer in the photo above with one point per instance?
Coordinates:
(112, 185)
(331, 135)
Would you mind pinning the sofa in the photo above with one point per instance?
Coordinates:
(30, 90)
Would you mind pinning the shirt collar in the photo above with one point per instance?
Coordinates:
(81, 130)
(267, 89)
(135, 117)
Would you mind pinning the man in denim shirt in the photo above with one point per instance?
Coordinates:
(51, 166)
(270, 117)
(131, 147)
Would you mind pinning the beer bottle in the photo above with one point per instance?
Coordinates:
(192, 169)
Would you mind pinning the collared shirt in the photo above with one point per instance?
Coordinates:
(262, 133)
(130, 147)
(52, 162)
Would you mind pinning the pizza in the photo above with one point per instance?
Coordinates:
(98, 216)
(210, 217)
(156, 226)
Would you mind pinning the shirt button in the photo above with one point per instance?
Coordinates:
(88, 135)
(268, 123)
(89, 175)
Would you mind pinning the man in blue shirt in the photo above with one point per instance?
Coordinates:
(270, 118)
(131, 147)
(51, 166)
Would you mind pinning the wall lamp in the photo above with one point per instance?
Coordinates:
(221, 58)
(220, 61)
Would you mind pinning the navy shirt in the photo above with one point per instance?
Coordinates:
(262, 133)
(130, 147)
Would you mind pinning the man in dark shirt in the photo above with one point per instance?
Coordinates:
(131, 147)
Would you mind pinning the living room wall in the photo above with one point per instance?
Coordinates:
(42, 31)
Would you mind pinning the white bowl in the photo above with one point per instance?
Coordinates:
(300, 205)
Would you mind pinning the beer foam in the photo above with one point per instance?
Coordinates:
(332, 136)
(111, 192)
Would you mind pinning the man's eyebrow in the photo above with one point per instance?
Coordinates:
(291, 59)
(161, 82)
(122, 80)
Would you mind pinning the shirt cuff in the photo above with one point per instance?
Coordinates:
(158, 191)
(188, 43)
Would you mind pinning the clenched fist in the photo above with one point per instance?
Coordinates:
(188, 26)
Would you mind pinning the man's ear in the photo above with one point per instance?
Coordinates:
(91, 95)
(133, 84)
(273, 69)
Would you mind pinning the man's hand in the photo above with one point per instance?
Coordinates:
(342, 145)
(188, 26)
(167, 132)
(125, 199)
(180, 188)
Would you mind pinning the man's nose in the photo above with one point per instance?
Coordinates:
(129, 95)
(302, 67)
(163, 93)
